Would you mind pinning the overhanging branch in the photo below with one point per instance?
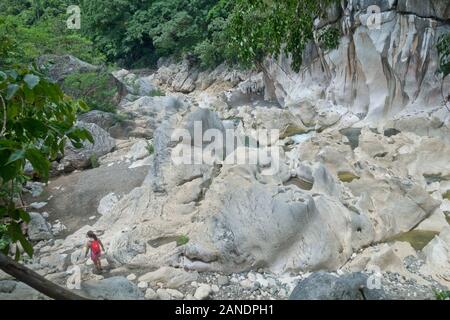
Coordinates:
(36, 281)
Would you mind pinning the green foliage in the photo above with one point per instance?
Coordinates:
(110, 24)
(215, 49)
(157, 93)
(442, 295)
(96, 88)
(182, 240)
(150, 148)
(93, 160)
(36, 120)
(329, 38)
(259, 28)
(120, 117)
(444, 54)
(48, 35)
(136, 33)
(133, 32)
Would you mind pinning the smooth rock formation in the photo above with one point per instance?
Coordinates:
(325, 286)
(38, 228)
(115, 288)
(376, 72)
(82, 158)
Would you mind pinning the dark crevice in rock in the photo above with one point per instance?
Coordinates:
(300, 183)
(352, 135)
(391, 132)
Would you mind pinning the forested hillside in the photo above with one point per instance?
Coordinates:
(137, 33)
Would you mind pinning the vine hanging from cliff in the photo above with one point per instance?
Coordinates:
(443, 47)
(444, 53)
(258, 28)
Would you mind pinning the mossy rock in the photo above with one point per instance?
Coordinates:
(292, 130)
(446, 195)
(182, 240)
(98, 89)
(418, 239)
(347, 177)
(300, 183)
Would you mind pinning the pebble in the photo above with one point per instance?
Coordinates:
(142, 285)
(131, 277)
(175, 294)
(246, 283)
(222, 280)
(163, 294)
(251, 276)
(150, 294)
(262, 281)
(272, 282)
(203, 292)
(215, 288)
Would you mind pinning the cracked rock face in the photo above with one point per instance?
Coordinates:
(375, 73)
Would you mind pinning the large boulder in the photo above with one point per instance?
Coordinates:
(82, 158)
(104, 120)
(133, 84)
(12, 290)
(145, 114)
(59, 67)
(437, 254)
(38, 227)
(115, 288)
(164, 174)
(170, 277)
(186, 77)
(312, 230)
(326, 286)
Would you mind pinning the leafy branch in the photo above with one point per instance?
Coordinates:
(443, 47)
(37, 121)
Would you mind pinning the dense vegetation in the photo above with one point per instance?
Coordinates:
(97, 89)
(140, 32)
(136, 33)
(37, 118)
(444, 54)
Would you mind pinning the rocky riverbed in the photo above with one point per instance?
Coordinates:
(358, 207)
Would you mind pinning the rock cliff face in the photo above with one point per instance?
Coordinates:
(386, 63)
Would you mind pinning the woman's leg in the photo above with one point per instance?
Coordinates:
(95, 261)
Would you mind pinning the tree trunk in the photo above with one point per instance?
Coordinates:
(35, 280)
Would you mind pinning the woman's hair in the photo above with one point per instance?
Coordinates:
(92, 235)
